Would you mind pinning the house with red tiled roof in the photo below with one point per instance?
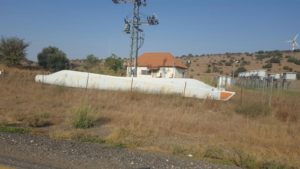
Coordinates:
(159, 65)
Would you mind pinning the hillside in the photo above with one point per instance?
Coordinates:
(224, 64)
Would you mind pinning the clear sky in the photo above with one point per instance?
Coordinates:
(82, 27)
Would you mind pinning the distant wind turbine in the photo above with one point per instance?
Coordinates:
(294, 43)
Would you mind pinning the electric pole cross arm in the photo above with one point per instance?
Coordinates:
(122, 1)
(132, 26)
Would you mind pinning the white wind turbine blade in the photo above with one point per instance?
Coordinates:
(295, 38)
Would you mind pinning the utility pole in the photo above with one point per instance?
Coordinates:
(132, 26)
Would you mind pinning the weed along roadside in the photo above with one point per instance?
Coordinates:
(248, 135)
(8, 129)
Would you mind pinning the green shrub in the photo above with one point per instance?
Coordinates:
(267, 66)
(293, 60)
(91, 59)
(12, 50)
(114, 63)
(220, 63)
(8, 129)
(261, 56)
(244, 63)
(82, 118)
(239, 70)
(53, 58)
(275, 60)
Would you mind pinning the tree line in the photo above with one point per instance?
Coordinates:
(13, 53)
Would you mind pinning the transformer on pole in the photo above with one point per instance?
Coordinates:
(132, 26)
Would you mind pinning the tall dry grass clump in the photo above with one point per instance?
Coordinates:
(246, 132)
(82, 118)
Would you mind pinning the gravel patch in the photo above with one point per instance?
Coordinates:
(27, 151)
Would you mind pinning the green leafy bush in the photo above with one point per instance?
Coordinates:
(8, 129)
(91, 59)
(261, 56)
(275, 60)
(293, 60)
(12, 50)
(114, 63)
(238, 70)
(52, 58)
(82, 118)
(267, 66)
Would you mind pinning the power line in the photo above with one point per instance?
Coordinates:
(133, 27)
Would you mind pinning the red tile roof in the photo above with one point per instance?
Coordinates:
(159, 59)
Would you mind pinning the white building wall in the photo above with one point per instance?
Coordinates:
(166, 72)
(139, 72)
(163, 72)
(179, 73)
(169, 72)
(290, 76)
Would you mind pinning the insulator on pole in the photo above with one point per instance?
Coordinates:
(132, 26)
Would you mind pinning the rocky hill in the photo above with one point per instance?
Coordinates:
(226, 64)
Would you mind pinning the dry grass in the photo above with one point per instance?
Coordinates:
(5, 167)
(165, 123)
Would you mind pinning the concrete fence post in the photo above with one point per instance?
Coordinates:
(87, 81)
(131, 84)
(184, 89)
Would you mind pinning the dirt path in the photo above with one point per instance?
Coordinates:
(35, 152)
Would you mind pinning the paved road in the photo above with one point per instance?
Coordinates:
(35, 152)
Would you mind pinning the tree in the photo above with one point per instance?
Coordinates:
(114, 63)
(267, 66)
(190, 55)
(12, 50)
(275, 60)
(91, 59)
(52, 58)
(239, 70)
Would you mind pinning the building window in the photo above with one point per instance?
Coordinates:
(145, 72)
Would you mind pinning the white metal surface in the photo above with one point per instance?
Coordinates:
(185, 87)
